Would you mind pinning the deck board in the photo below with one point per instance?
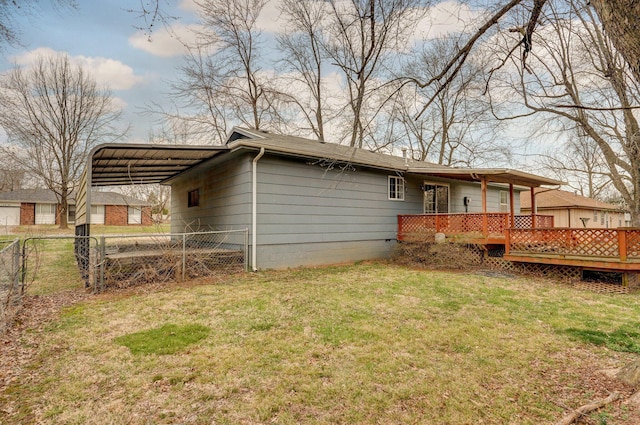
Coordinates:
(590, 262)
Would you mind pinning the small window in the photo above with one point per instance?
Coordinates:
(602, 217)
(71, 213)
(134, 215)
(194, 198)
(45, 214)
(396, 188)
(504, 201)
(595, 216)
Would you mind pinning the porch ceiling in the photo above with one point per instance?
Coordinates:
(497, 175)
(117, 164)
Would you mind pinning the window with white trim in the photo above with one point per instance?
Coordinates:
(396, 188)
(134, 215)
(45, 214)
(504, 201)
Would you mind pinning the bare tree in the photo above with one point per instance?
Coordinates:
(9, 29)
(581, 165)
(202, 102)
(361, 35)
(304, 56)
(12, 178)
(235, 41)
(53, 115)
(621, 20)
(577, 78)
(453, 130)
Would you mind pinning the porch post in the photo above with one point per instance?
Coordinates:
(485, 222)
(512, 208)
(622, 244)
(533, 208)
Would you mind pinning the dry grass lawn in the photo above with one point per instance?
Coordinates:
(360, 344)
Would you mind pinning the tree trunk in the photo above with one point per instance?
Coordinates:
(620, 21)
(64, 208)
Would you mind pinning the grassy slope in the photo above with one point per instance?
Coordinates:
(359, 344)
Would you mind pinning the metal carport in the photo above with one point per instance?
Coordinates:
(127, 164)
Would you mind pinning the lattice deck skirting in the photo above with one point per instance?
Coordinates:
(468, 256)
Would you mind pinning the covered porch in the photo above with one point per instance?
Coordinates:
(466, 220)
(481, 228)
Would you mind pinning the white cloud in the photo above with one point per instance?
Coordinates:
(446, 17)
(188, 5)
(165, 42)
(270, 19)
(109, 72)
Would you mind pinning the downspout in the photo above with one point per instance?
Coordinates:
(254, 209)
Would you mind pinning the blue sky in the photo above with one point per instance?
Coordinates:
(102, 37)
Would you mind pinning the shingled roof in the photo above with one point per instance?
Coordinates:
(556, 198)
(45, 196)
(301, 147)
(122, 164)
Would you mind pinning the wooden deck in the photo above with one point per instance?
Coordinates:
(532, 240)
(477, 228)
(598, 249)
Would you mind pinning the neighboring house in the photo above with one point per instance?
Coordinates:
(571, 210)
(40, 206)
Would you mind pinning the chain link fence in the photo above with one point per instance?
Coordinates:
(54, 263)
(10, 288)
(48, 264)
(128, 260)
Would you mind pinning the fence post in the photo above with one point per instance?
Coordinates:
(507, 241)
(184, 256)
(15, 270)
(102, 260)
(246, 250)
(485, 224)
(622, 244)
(399, 236)
(23, 271)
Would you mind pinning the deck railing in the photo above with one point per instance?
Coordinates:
(622, 244)
(471, 224)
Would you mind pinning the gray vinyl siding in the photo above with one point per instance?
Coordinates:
(225, 196)
(310, 215)
(301, 202)
(307, 214)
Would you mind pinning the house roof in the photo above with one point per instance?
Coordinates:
(555, 198)
(297, 146)
(45, 196)
(122, 164)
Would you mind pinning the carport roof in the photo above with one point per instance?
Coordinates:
(122, 164)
